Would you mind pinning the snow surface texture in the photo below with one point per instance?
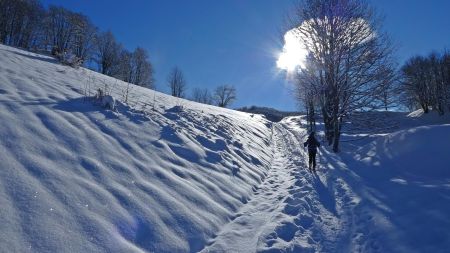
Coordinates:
(76, 177)
(160, 174)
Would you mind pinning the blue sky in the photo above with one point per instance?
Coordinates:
(237, 41)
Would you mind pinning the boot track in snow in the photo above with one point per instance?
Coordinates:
(291, 211)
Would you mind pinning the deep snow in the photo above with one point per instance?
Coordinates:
(161, 174)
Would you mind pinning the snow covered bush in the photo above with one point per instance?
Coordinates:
(69, 59)
(99, 95)
(106, 101)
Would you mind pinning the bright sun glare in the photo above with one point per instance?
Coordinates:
(293, 54)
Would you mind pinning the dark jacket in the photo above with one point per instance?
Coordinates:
(312, 143)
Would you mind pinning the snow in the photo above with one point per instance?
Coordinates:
(78, 178)
(109, 102)
(161, 174)
(406, 181)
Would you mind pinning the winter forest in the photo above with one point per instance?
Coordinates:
(224, 126)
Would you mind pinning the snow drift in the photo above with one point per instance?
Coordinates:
(406, 176)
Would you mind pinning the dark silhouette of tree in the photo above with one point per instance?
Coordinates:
(348, 59)
(225, 95)
(176, 83)
(202, 96)
(108, 54)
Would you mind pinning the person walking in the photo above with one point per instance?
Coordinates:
(312, 145)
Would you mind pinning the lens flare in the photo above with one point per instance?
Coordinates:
(293, 54)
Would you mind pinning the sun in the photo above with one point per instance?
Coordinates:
(293, 54)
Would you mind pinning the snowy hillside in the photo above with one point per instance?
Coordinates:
(406, 188)
(161, 174)
(76, 177)
(392, 181)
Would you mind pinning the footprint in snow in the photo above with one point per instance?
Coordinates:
(287, 231)
(292, 210)
(304, 221)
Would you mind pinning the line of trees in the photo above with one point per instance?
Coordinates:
(223, 96)
(426, 82)
(203, 96)
(63, 33)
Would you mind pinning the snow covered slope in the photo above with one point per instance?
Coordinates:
(406, 188)
(392, 186)
(162, 176)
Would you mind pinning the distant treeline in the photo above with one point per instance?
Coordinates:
(270, 113)
(63, 33)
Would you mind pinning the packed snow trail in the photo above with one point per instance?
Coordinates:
(290, 212)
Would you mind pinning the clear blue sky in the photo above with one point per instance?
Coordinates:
(236, 41)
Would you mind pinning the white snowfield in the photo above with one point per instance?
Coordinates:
(161, 174)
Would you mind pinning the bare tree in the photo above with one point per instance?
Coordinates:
(225, 95)
(125, 72)
(309, 103)
(176, 83)
(25, 23)
(20, 22)
(72, 38)
(202, 96)
(83, 37)
(446, 73)
(136, 68)
(387, 95)
(142, 68)
(426, 82)
(59, 29)
(348, 58)
(108, 53)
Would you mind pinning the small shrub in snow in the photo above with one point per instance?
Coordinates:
(68, 58)
(106, 101)
(100, 94)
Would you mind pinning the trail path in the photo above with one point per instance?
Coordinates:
(292, 211)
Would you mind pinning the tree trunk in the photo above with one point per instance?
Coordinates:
(328, 126)
(337, 135)
(425, 108)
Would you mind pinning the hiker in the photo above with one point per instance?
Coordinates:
(312, 145)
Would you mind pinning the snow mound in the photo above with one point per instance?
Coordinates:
(416, 113)
(418, 117)
(419, 152)
(404, 181)
(144, 178)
